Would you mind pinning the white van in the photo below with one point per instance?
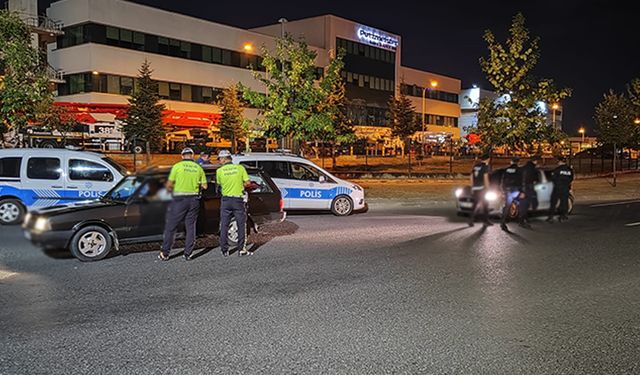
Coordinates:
(32, 178)
(306, 186)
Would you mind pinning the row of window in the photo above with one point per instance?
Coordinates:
(124, 38)
(370, 52)
(50, 169)
(366, 81)
(430, 119)
(121, 85)
(366, 115)
(417, 91)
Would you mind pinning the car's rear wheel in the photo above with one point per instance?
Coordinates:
(11, 212)
(91, 243)
(342, 205)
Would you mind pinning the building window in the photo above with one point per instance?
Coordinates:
(163, 90)
(126, 85)
(174, 91)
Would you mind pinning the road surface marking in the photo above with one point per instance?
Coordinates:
(614, 204)
(632, 224)
(6, 274)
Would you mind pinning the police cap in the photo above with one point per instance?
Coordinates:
(224, 154)
(187, 150)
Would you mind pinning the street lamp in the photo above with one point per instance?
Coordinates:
(433, 85)
(555, 107)
(248, 47)
(637, 121)
(581, 131)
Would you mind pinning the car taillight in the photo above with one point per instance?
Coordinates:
(281, 205)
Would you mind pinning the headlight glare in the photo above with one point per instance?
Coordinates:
(491, 196)
(42, 224)
(458, 192)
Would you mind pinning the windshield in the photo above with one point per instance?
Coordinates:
(118, 167)
(124, 189)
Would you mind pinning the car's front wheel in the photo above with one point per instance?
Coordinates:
(91, 243)
(11, 212)
(342, 206)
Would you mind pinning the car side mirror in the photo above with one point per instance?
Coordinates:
(322, 179)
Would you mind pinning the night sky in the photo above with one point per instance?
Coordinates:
(589, 45)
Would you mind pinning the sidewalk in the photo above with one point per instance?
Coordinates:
(441, 191)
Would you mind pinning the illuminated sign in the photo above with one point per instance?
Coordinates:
(377, 38)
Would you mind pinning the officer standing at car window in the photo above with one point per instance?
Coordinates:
(511, 184)
(562, 178)
(186, 181)
(232, 180)
(530, 177)
(479, 187)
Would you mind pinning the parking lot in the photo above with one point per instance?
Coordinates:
(405, 288)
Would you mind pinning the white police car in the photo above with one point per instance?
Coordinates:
(306, 186)
(35, 178)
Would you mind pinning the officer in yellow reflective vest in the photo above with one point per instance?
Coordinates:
(232, 180)
(186, 180)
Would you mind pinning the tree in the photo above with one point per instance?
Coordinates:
(233, 126)
(57, 119)
(25, 84)
(516, 119)
(634, 95)
(615, 121)
(295, 95)
(403, 118)
(144, 117)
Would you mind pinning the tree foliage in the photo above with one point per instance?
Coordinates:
(516, 119)
(24, 85)
(403, 117)
(296, 99)
(144, 117)
(233, 125)
(634, 95)
(336, 105)
(56, 118)
(615, 121)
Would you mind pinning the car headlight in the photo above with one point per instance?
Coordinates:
(42, 224)
(458, 192)
(491, 196)
(356, 187)
(27, 217)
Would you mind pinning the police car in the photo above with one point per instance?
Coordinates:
(31, 179)
(306, 186)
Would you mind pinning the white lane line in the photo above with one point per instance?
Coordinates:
(632, 224)
(614, 204)
(6, 274)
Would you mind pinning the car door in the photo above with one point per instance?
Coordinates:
(310, 188)
(147, 211)
(280, 173)
(544, 188)
(44, 180)
(87, 179)
(209, 215)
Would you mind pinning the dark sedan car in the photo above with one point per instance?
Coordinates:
(134, 212)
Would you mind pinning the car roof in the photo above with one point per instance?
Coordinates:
(165, 169)
(48, 151)
(269, 156)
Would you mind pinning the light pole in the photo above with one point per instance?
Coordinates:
(433, 85)
(581, 131)
(555, 107)
(282, 21)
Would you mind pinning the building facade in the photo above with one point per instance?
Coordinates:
(106, 41)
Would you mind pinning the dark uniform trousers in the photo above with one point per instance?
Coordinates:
(530, 201)
(181, 208)
(232, 207)
(510, 195)
(560, 195)
(479, 205)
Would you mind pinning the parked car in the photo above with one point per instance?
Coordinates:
(306, 186)
(496, 201)
(134, 212)
(33, 178)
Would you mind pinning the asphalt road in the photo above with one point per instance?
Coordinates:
(402, 289)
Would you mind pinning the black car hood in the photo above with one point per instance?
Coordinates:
(74, 207)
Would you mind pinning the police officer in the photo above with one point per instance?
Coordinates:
(232, 180)
(511, 184)
(479, 187)
(186, 180)
(530, 177)
(562, 178)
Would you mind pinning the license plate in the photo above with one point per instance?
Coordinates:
(466, 204)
